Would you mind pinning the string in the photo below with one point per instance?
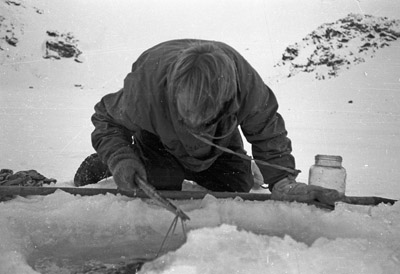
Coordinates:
(247, 157)
(171, 231)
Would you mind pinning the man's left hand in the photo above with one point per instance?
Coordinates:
(288, 189)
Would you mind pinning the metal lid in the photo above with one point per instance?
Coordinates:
(328, 158)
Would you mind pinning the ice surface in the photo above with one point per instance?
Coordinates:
(246, 252)
(224, 235)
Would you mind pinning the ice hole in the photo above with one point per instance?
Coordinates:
(70, 258)
(62, 233)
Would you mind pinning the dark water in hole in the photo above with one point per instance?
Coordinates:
(110, 259)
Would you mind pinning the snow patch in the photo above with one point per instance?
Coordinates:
(239, 252)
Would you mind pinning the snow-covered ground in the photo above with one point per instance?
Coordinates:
(46, 104)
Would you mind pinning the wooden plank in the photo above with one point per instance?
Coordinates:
(173, 195)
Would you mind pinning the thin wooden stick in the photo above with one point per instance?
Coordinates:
(152, 193)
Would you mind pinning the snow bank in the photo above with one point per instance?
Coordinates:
(62, 232)
(246, 252)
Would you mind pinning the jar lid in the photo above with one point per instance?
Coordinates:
(328, 157)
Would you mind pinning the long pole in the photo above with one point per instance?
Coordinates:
(174, 195)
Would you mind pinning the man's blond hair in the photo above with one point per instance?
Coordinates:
(201, 81)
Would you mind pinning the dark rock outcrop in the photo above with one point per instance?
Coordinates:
(61, 45)
(333, 47)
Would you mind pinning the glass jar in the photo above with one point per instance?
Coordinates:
(328, 172)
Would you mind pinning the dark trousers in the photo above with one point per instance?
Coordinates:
(228, 173)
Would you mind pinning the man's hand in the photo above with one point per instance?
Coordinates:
(289, 190)
(125, 167)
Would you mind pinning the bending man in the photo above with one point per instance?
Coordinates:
(177, 117)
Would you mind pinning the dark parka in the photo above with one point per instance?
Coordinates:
(143, 106)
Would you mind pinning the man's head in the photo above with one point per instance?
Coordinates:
(202, 83)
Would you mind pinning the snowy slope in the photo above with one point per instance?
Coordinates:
(45, 109)
(59, 95)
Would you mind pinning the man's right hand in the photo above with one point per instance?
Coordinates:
(125, 167)
(126, 172)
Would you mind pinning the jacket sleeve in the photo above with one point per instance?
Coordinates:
(263, 126)
(111, 133)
